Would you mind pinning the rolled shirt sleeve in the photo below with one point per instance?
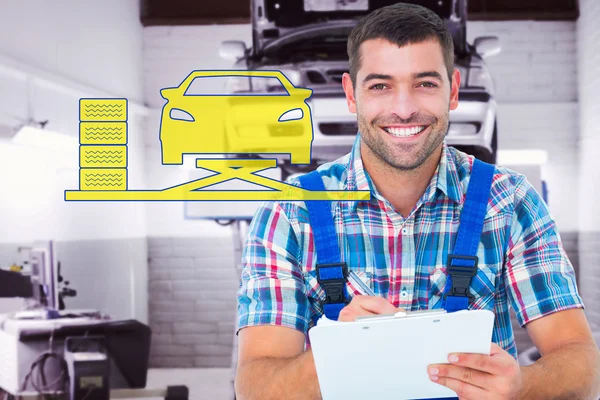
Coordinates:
(272, 289)
(539, 276)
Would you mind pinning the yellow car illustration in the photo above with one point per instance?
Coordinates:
(234, 112)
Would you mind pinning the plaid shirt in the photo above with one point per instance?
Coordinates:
(521, 260)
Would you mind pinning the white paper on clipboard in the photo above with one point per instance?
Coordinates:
(336, 5)
(388, 358)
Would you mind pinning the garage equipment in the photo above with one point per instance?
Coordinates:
(72, 354)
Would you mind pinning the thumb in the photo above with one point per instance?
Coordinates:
(496, 350)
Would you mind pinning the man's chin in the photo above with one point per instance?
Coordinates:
(409, 165)
(411, 161)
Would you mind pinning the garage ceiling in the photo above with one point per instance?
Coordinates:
(207, 12)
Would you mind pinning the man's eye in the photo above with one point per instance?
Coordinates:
(378, 86)
(428, 84)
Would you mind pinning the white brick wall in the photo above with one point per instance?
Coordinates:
(552, 127)
(588, 36)
(537, 62)
(589, 89)
(193, 282)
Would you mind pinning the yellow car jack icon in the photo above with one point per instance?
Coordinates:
(272, 116)
(226, 170)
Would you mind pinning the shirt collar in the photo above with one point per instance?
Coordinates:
(444, 179)
(448, 180)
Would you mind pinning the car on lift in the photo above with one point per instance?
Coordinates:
(270, 116)
(306, 40)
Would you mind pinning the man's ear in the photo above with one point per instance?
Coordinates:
(349, 90)
(454, 89)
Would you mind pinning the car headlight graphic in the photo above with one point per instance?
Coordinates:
(179, 114)
(292, 115)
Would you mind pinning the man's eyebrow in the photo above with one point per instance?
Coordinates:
(428, 74)
(373, 76)
(417, 75)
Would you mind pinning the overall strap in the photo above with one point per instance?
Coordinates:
(462, 263)
(331, 272)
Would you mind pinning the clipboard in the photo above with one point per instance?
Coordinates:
(387, 356)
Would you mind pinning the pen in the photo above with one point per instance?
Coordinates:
(360, 285)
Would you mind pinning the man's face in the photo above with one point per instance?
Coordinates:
(402, 100)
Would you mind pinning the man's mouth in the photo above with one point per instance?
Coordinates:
(404, 131)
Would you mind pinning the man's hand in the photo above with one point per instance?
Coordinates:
(480, 377)
(366, 305)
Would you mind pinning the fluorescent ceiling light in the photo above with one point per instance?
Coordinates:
(522, 157)
(42, 138)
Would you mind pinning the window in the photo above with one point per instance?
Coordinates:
(236, 86)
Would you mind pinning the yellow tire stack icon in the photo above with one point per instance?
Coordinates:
(103, 144)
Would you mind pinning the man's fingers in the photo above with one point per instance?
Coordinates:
(366, 305)
(464, 390)
(373, 304)
(499, 362)
(350, 312)
(467, 375)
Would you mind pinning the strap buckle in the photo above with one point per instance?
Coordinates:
(332, 278)
(461, 275)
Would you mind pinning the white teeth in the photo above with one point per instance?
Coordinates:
(405, 132)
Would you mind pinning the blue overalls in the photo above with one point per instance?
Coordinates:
(461, 264)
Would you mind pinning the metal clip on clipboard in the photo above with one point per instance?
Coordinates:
(401, 314)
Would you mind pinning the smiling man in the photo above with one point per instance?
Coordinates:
(402, 85)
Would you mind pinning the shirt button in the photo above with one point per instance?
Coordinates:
(404, 294)
(404, 231)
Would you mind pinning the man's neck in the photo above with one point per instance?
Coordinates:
(401, 188)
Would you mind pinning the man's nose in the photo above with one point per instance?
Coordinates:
(404, 105)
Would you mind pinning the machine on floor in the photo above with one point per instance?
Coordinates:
(69, 354)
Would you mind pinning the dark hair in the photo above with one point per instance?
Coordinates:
(401, 24)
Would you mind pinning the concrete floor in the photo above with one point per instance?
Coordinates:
(203, 383)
